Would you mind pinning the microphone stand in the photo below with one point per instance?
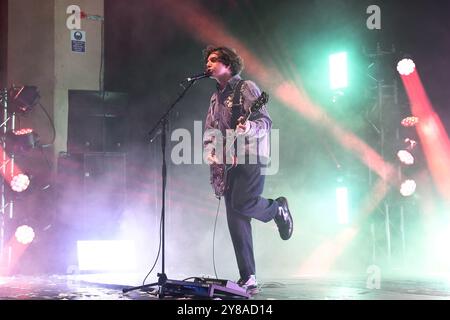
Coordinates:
(160, 129)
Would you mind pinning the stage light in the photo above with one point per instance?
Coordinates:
(23, 99)
(405, 157)
(408, 187)
(21, 140)
(24, 234)
(338, 70)
(20, 182)
(405, 67)
(342, 205)
(410, 143)
(410, 121)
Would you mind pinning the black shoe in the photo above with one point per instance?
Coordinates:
(283, 219)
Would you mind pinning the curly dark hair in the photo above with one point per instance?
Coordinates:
(227, 56)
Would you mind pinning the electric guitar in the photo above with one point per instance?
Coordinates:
(219, 171)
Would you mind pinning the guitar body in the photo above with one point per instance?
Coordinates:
(218, 177)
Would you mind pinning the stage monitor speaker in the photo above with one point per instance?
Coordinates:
(97, 122)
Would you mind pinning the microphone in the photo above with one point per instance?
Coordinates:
(205, 74)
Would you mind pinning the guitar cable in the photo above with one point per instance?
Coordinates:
(218, 210)
(214, 237)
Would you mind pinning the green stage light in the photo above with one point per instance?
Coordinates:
(338, 70)
(342, 205)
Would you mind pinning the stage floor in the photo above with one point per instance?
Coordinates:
(109, 287)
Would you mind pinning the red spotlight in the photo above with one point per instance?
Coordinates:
(431, 132)
(410, 121)
(21, 140)
(23, 131)
(24, 234)
(20, 182)
(405, 67)
(405, 157)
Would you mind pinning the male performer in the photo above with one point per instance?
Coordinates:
(245, 183)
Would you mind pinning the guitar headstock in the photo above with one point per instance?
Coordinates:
(259, 102)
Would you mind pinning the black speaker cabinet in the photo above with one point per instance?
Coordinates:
(98, 122)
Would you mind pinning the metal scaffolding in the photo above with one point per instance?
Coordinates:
(387, 229)
(7, 170)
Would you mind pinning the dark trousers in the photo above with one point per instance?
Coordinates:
(243, 202)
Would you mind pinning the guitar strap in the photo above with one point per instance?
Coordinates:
(236, 110)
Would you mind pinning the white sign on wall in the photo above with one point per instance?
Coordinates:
(78, 39)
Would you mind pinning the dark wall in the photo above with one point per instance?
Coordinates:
(3, 41)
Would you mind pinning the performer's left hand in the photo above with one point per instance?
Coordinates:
(242, 127)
